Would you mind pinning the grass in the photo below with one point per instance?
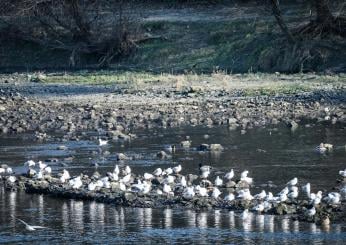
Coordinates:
(249, 84)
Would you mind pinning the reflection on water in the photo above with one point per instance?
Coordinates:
(79, 220)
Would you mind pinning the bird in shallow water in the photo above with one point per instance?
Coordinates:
(103, 142)
(342, 173)
(30, 227)
(292, 182)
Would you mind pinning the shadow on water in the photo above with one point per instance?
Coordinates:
(269, 154)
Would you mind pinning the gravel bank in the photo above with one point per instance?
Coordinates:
(42, 108)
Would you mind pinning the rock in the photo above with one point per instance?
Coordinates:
(185, 143)
(293, 125)
(162, 155)
(203, 147)
(2, 108)
(121, 157)
(62, 147)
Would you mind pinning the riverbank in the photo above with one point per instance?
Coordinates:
(116, 103)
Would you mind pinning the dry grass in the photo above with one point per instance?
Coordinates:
(250, 83)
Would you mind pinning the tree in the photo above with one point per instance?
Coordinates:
(91, 27)
(324, 25)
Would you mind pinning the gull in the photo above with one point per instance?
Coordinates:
(148, 176)
(259, 207)
(12, 179)
(30, 163)
(168, 171)
(122, 186)
(284, 191)
(167, 188)
(31, 227)
(177, 169)
(91, 186)
(243, 177)
(47, 170)
(127, 170)
(270, 197)
(293, 194)
(103, 142)
(245, 195)
(343, 192)
(126, 179)
(230, 197)
(247, 180)
(42, 165)
(311, 212)
(65, 176)
(202, 191)
(292, 182)
(189, 193)
(157, 172)
(205, 174)
(169, 180)
(282, 198)
(261, 195)
(342, 173)
(113, 176)
(9, 170)
(216, 193)
(333, 198)
(218, 181)
(322, 148)
(2, 170)
(183, 181)
(76, 183)
(315, 199)
(244, 174)
(229, 175)
(116, 170)
(267, 205)
(204, 168)
(39, 175)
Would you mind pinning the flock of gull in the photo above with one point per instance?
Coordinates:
(171, 182)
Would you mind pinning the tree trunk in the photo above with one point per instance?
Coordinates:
(323, 13)
(278, 16)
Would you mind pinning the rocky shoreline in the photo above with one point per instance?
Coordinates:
(68, 109)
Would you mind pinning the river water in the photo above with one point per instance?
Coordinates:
(272, 156)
